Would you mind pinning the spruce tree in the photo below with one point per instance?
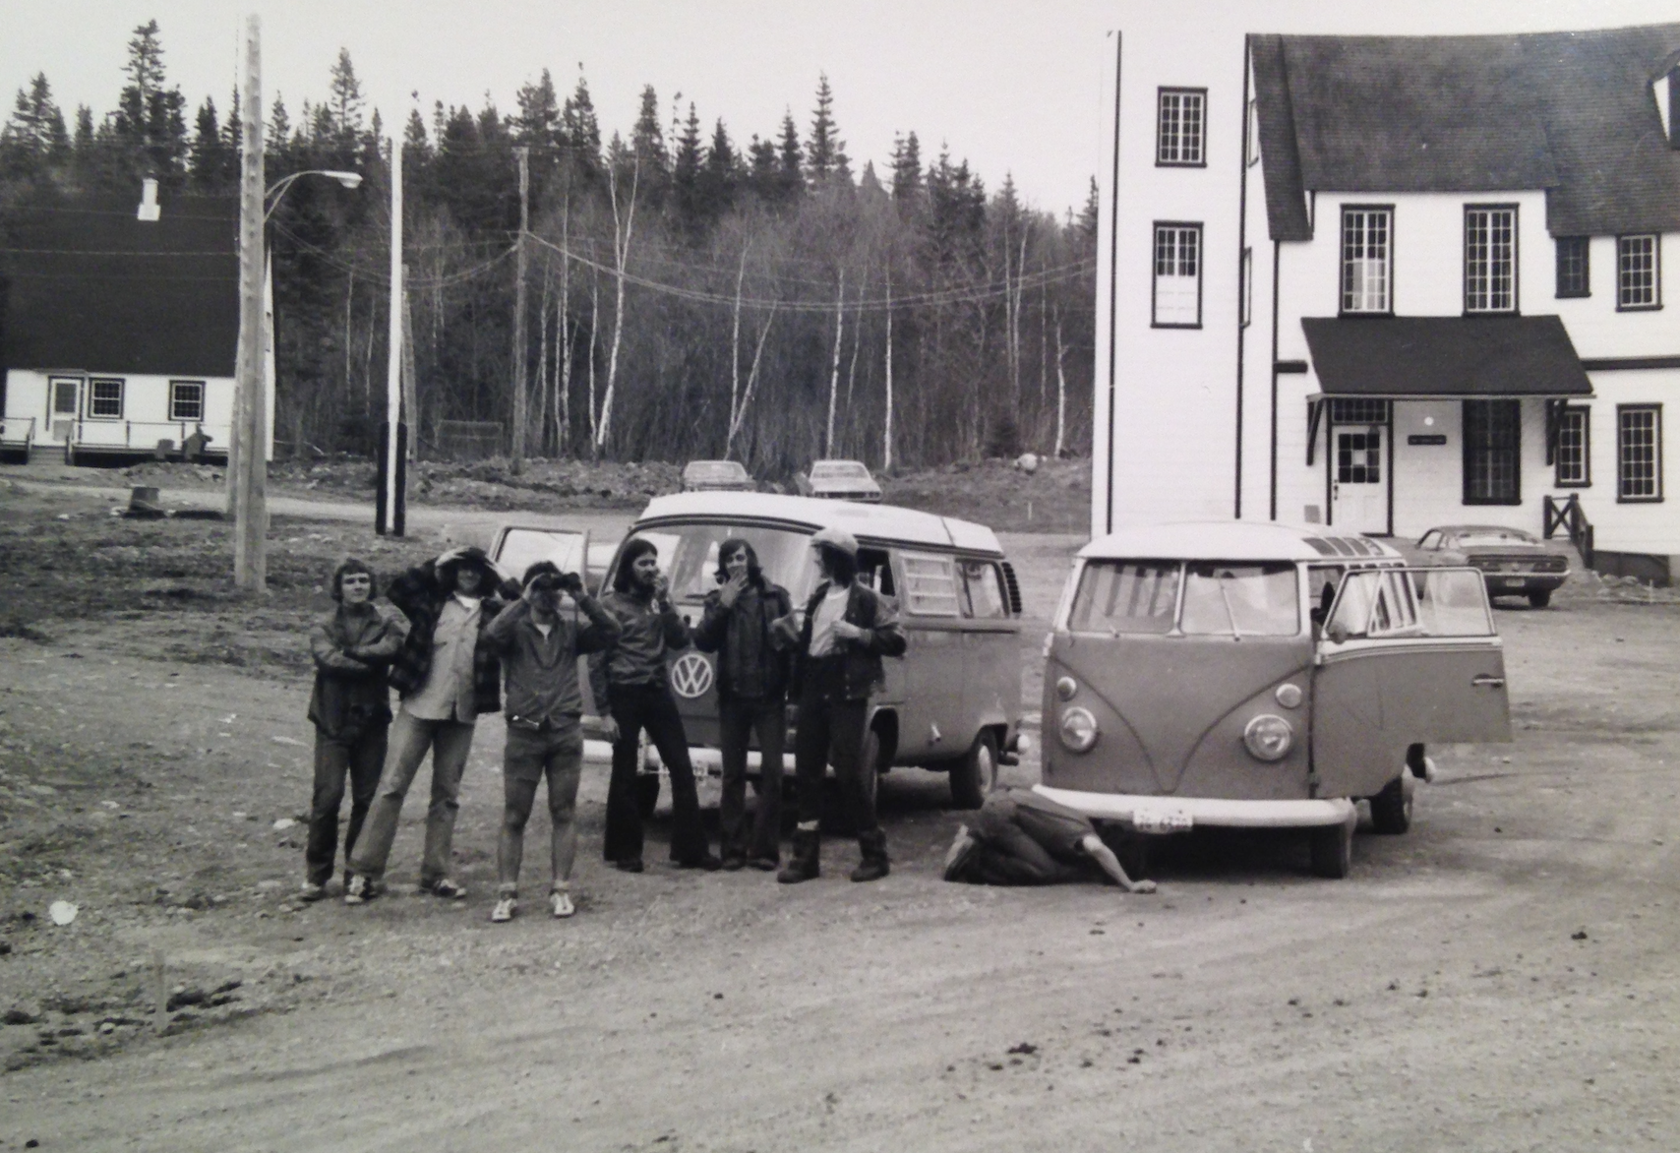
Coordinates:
(345, 103)
(790, 176)
(826, 153)
(209, 167)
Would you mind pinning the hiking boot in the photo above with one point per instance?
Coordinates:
(874, 849)
(804, 864)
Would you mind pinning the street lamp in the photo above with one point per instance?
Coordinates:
(277, 190)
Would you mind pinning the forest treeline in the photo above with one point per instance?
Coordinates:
(688, 294)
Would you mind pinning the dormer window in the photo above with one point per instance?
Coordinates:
(1181, 128)
(1490, 258)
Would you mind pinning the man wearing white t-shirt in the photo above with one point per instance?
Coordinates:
(846, 630)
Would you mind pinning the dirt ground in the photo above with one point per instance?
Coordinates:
(1501, 978)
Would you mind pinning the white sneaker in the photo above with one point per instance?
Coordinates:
(504, 910)
(560, 903)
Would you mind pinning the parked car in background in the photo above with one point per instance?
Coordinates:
(518, 546)
(1512, 562)
(840, 480)
(716, 476)
(1247, 675)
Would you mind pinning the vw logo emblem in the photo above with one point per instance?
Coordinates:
(691, 676)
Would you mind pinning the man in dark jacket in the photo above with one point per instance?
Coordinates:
(752, 676)
(445, 679)
(539, 647)
(631, 677)
(844, 632)
(1021, 837)
(351, 709)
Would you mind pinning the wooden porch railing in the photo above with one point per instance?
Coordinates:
(1567, 515)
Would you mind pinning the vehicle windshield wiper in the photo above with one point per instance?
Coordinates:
(1230, 613)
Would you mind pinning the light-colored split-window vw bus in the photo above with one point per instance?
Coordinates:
(952, 702)
(1258, 675)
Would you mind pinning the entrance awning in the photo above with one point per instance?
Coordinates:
(1405, 357)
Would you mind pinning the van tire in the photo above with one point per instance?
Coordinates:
(1391, 809)
(1332, 851)
(976, 774)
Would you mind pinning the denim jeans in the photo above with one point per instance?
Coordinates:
(736, 721)
(831, 732)
(449, 742)
(556, 754)
(650, 707)
(361, 756)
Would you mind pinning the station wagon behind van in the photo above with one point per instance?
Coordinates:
(1236, 674)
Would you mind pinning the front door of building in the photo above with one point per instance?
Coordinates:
(1358, 478)
(65, 395)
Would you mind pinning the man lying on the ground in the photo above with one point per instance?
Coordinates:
(1021, 838)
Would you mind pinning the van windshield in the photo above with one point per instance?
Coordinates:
(1142, 597)
(688, 556)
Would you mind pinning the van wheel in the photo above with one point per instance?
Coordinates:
(1540, 598)
(1332, 851)
(976, 774)
(1391, 809)
(647, 794)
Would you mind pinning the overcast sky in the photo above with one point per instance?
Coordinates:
(1011, 86)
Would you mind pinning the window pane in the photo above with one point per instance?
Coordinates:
(1572, 279)
(1178, 274)
(1125, 597)
(1491, 438)
(930, 585)
(1572, 447)
(107, 398)
(186, 400)
(1637, 453)
(1490, 259)
(1636, 272)
(1365, 261)
(1248, 600)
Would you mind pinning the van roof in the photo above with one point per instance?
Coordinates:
(878, 523)
(1237, 541)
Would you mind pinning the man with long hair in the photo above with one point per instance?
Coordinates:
(631, 677)
(539, 647)
(752, 676)
(844, 632)
(352, 647)
(446, 679)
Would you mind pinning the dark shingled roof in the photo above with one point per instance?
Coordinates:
(1568, 112)
(87, 285)
(1445, 356)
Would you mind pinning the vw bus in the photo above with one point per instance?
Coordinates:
(1261, 676)
(952, 702)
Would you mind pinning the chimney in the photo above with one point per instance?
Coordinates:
(149, 208)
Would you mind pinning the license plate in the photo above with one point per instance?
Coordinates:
(1161, 819)
(1512, 582)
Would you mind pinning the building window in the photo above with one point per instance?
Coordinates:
(1178, 276)
(105, 399)
(1247, 287)
(1573, 454)
(1490, 259)
(1572, 278)
(186, 400)
(1251, 143)
(1639, 452)
(1181, 127)
(1367, 250)
(1637, 272)
(1357, 410)
(1492, 452)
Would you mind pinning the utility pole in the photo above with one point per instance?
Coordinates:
(521, 399)
(390, 514)
(250, 477)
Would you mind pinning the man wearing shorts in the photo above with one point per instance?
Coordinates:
(1020, 837)
(538, 645)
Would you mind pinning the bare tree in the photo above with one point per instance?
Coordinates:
(834, 373)
(622, 230)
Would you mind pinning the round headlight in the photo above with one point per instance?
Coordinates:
(1066, 687)
(1268, 738)
(1289, 696)
(1078, 729)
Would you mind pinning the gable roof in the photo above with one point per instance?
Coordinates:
(88, 286)
(1567, 112)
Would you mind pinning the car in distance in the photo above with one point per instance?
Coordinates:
(716, 476)
(1245, 675)
(840, 480)
(1511, 561)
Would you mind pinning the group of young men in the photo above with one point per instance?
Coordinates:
(457, 630)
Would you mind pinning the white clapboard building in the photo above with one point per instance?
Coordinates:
(118, 327)
(1390, 282)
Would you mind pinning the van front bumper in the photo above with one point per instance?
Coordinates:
(1170, 814)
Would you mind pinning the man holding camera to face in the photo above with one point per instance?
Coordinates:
(538, 646)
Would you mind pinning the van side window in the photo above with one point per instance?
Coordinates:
(930, 585)
(983, 596)
(875, 571)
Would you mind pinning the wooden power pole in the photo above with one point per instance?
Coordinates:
(250, 472)
(521, 397)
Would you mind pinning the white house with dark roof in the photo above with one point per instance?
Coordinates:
(1385, 282)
